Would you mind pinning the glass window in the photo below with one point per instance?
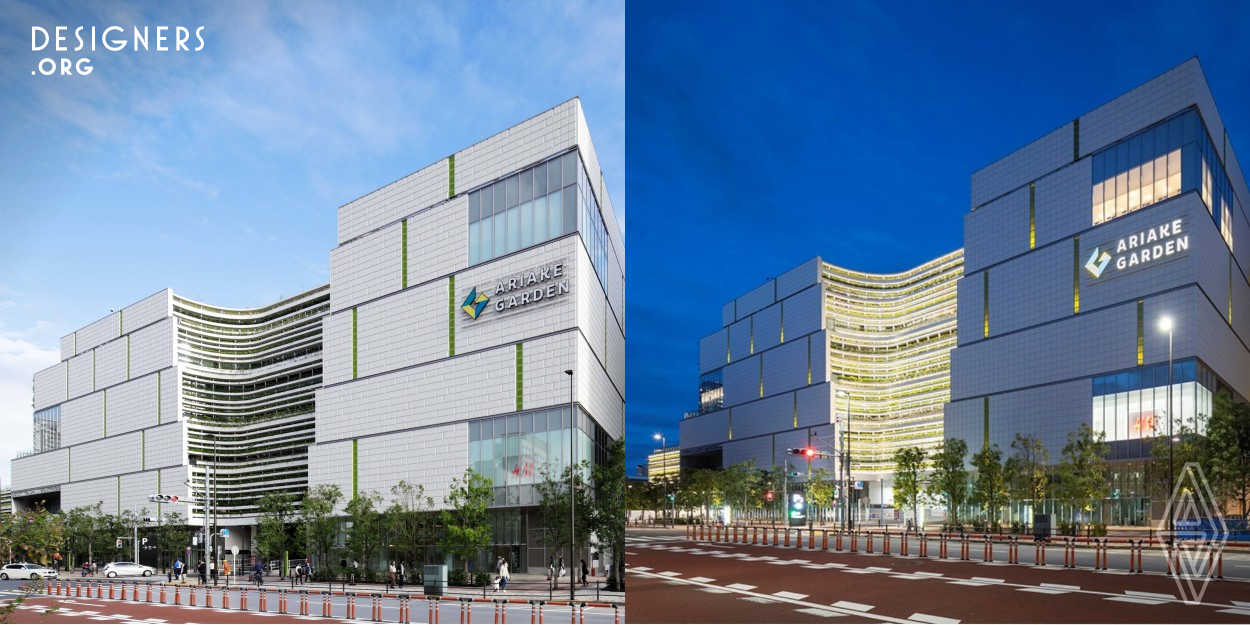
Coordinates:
(540, 219)
(1121, 194)
(1147, 183)
(474, 199)
(527, 185)
(540, 180)
(1134, 188)
(1174, 172)
(570, 168)
(501, 234)
(527, 224)
(1097, 203)
(570, 209)
(512, 190)
(553, 175)
(514, 229)
(554, 212)
(500, 197)
(474, 243)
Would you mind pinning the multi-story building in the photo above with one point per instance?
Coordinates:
(460, 297)
(1077, 247)
(474, 318)
(825, 357)
(664, 464)
(169, 395)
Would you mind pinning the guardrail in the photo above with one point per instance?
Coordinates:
(965, 543)
(156, 592)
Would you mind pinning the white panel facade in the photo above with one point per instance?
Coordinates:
(110, 456)
(712, 350)
(523, 144)
(132, 405)
(67, 346)
(331, 464)
(147, 311)
(112, 362)
(50, 386)
(89, 493)
(164, 446)
(366, 268)
(544, 362)
(100, 332)
(82, 419)
(429, 456)
(799, 278)
(82, 374)
(394, 201)
(597, 394)
(46, 469)
(152, 348)
(336, 351)
(438, 241)
(1016, 169)
(398, 331)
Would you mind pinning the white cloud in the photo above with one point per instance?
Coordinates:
(19, 360)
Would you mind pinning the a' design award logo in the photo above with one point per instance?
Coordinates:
(474, 304)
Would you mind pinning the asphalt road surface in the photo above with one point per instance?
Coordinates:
(675, 580)
(74, 609)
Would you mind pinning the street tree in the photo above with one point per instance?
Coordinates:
(1083, 470)
(410, 519)
(172, 536)
(608, 517)
(320, 526)
(1026, 470)
(949, 480)
(466, 522)
(554, 500)
(739, 484)
(364, 536)
(273, 535)
(1229, 436)
(909, 464)
(989, 486)
(821, 489)
(35, 535)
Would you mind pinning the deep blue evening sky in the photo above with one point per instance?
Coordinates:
(763, 134)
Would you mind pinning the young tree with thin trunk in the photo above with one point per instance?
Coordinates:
(949, 480)
(273, 535)
(1083, 470)
(320, 526)
(909, 464)
(466, 522)
(989, 487)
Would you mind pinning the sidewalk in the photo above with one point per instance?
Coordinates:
(521, 586)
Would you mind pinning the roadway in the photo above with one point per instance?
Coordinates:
(674, 580)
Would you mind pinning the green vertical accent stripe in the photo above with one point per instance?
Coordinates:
(761, 375)
(120, 326)
(1141, 332)
(355, 472)
(69, 464)
(985, 300)
(519, 377)
(796, 409)
(451, 315)
(119, 495)
(728, 349)
(128, 357)
(809, 360)
(1076, 139)
(1076, 275)
(106, 412)
(986, 444)
(158, 397)
(158, 489)
(1032, 217)
(731, 424)
(1230, 289)
(403, 253)
(783, 321)
(751, 335)
(143, 450)
(451, 176)
(353, 343)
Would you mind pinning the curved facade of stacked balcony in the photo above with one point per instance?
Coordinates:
(890, 337)
(249, 381)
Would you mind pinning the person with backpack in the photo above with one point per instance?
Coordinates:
(178, 567)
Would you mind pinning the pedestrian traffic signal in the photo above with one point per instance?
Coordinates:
(797, 506)
(671, 497)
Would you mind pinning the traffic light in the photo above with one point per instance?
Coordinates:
(163, 498)
(768, 496)
(807, 452)
(797, 505)
(672, 496)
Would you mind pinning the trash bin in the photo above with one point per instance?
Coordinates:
(435, 579)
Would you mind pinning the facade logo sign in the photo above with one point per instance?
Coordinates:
(1098, 262)
(474, 304)
(1142, 248)
(540, 284)
(1200, 528)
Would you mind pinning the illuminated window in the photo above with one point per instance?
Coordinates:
(1132, 405)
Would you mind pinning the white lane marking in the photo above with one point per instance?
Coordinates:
(669, 573)
(790, 595)
(1243, 604)
(717, 591)
(964, 582)
(741, 586)
(641, 568)
(835, 565)
(1061, 586)
(926, 574)
(929, 618)
(817, 567)
(1140, 600)
(1238, 612)
(851, 605)
(758, 600)
(908, 576)
(820, 612)
(1045, 591)
(701, 579)
(781, 562)
(859, 571)
(880, 569)
(1152, 595)
(988, 580)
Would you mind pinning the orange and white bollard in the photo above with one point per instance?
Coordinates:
(110, 590)
(149, 593)
(869, 542)
(303, 602)
(162, 593)
(208, 597)
(885, 541)
(177, 595)
(824, 540)
(838, 540)
(902, 547)
(262, 602)
(376, 611)
(923, 540)
(243, 592)
(989, 549)
(225, 597)
(351, 606)
(811, 539)
(191, 596)
(403, 608)
(326, 606)
(281, 601)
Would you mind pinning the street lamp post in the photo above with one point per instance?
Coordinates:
(572, 491)
(1165, 324)
(664, 471)
(847, 523)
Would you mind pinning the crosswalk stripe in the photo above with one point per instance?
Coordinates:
(929, 618)
(851, 605)
(741, 586)
(789, 595)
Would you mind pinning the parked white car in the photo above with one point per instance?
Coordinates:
(26, 570)
(114, 569)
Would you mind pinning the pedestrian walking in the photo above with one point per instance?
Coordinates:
(402, 571)
(225, 568)
(551, 567)
(202, 568)
(561, 568)
(585, 572)
(393, 572)
(178, 566)
(503, 575)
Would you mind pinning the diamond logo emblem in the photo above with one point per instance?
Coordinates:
(474, 304)
(1097, 262)
(1200, 536)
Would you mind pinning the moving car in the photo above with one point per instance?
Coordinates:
(26, 570)
(114, 569)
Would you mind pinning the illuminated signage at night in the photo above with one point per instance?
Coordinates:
(1140, 248)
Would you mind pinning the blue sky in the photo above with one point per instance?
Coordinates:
(218, 173)
(763, 134)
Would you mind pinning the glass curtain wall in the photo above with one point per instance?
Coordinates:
(514, 450)
(1131, 405)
